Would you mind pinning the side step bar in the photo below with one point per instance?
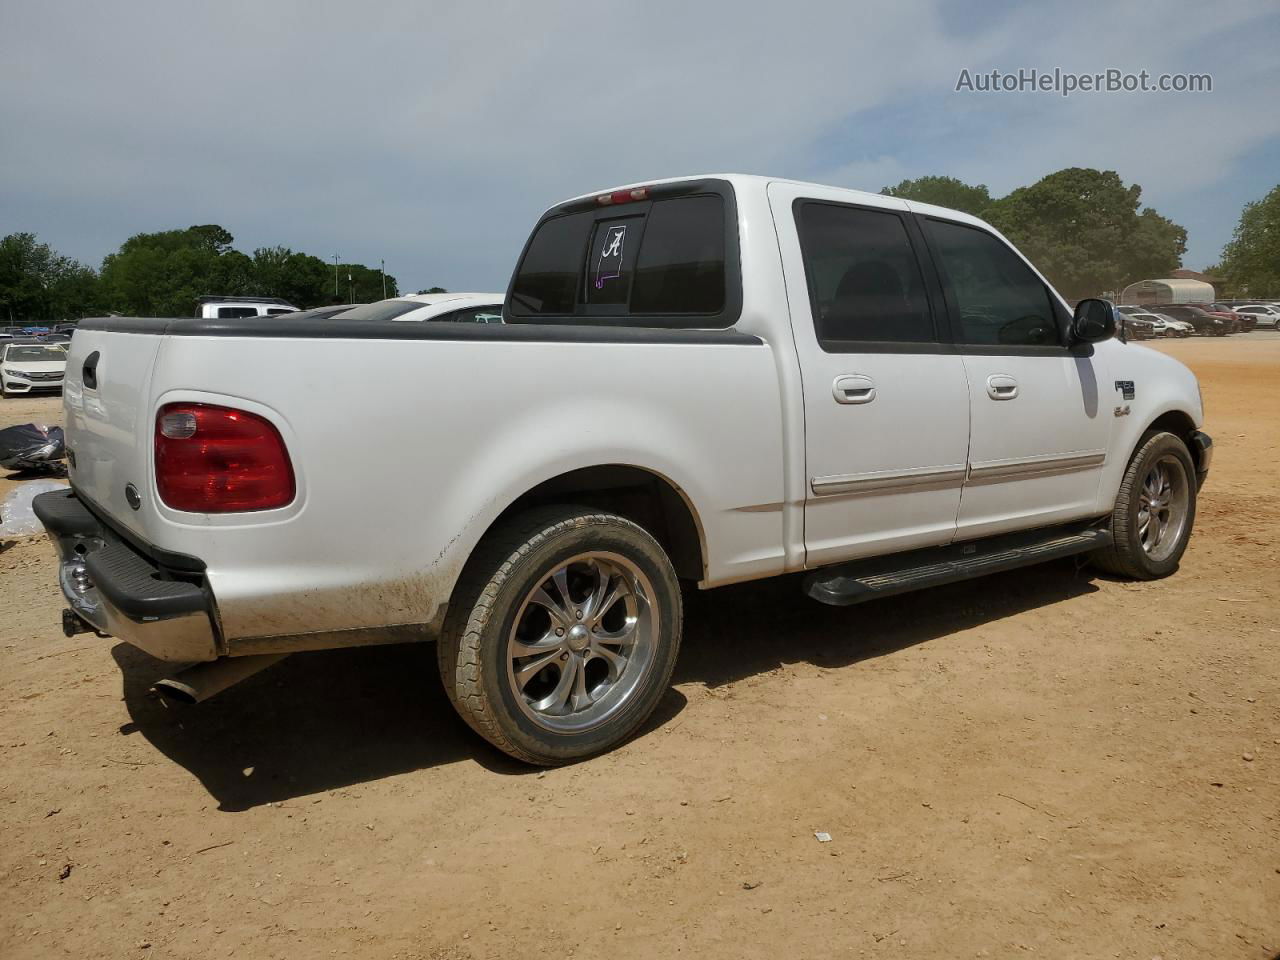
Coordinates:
(861, 580)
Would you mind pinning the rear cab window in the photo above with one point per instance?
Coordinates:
(668, 259)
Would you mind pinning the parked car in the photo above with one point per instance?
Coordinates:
(1140, 327)
(235, 308)
(458, 307)
(1158, 325)
(1239, 322)
(1205, 323)
(1264, 314)
(714, 379)
(30, 367)
(321, 313)
(1174, 327)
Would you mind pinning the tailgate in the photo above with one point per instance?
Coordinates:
(107, 406)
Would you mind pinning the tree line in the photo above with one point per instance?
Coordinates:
(162, 274)
(1085, 229)
(1089, 234)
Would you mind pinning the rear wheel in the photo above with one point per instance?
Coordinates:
(562, 634)
(1155, 510)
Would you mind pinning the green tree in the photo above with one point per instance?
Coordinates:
(1082, 228)
(360, 284)
(434, 290)
(300, 278)
(37, 284)
(161, 274)
(1156, 247)
(945, 192)
(1251, 260)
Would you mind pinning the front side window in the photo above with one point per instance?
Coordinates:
(234, 313)
(999, 299)
(661, 262)
(864, 280)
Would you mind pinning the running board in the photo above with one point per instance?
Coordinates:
(861, 580)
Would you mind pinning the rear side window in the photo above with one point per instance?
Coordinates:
(864, 280)
(231, 313)
(999, 299)
(662, 262)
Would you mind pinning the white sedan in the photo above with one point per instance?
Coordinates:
(457, 307)
(27, 367)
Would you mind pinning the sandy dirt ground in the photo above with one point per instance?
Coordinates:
(1044, 762)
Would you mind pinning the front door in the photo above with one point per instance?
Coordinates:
(885, 400)
(1039, 428)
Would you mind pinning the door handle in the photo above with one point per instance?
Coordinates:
(854, 389)
(1001, 387)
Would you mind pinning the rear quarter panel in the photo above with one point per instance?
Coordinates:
(407, 451)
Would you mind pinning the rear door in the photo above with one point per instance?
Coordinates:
(1039, 410)
(885, 401)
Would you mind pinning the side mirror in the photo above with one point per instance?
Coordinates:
(1094, 321)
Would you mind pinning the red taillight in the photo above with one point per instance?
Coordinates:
(219, 460)
(622, 196)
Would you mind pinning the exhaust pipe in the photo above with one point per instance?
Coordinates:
(197, 684)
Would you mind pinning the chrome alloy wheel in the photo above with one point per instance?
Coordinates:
(1162, 507)
(582, 642)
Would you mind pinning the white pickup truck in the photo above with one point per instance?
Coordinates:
(710, 380)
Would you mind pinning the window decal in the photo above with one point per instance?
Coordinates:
(609, 263)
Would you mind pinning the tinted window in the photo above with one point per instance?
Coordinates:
(276, 311)
(548, 277)
(864, 280)
(664, 257)
(999, 298)
(225, 313)
(680, 268)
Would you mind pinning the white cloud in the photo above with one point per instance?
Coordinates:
(434, 134)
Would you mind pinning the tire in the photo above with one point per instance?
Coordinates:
(1142, 551)
(545, 715)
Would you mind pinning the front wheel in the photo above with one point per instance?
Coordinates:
(562, 634)
(1155, 510)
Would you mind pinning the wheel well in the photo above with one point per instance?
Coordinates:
(650, 500)
(1180, 425)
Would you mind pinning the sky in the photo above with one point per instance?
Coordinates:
(432, 134)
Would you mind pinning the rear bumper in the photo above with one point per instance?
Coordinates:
(117, 588)
(1202, 451)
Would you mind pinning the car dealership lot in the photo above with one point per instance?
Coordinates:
(1078, 766)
